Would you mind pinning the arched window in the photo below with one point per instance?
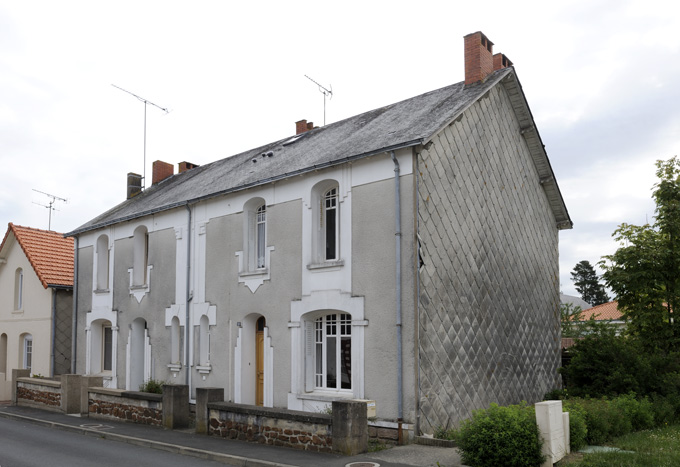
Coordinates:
(329, 224)
(140, 255)
(175, 338)
(19, 289)
(325, 202)
(102, 266)
(204, 341)
(329, 345)
(260, 236)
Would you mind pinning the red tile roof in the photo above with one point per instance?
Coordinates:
(605, 312)
(50, 254)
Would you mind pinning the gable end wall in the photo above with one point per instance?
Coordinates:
(489, 294)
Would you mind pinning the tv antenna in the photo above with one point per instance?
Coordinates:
(145, 104)
(50, 205)
(326, 93)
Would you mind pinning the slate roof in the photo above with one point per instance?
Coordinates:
(50, 254)
(407, 123)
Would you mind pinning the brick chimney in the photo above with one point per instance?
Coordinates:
(134, 185)
(500, 61)
(161, 171)
(479, 61)
(302, 126)
(184, 166)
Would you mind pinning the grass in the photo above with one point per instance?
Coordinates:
(651, 448)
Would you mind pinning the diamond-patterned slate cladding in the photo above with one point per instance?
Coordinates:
(489, 294)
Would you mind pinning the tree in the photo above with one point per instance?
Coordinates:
(588, 284)
(644, 272)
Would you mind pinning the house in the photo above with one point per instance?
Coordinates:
(574, 301)
(36, 303)
(407, 255)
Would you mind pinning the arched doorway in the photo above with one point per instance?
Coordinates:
(138, 355)
(253, 363)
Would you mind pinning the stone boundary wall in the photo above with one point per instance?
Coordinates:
(278, 427)
(39, 393)
(131, 406)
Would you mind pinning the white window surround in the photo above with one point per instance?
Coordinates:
(254, 260)
(204, 315)
(325, 203)
(140, 272)
(306, 311)
(102, 265)
(175, 319)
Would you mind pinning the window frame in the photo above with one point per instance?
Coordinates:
(27, 352)
(260, 240)
(329, 204)
(19, 289)
(336, 328)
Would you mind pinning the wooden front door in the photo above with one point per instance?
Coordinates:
(259, 365)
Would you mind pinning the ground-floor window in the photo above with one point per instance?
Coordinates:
(28, 351)
(333, 351)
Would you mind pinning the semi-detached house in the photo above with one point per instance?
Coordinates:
(407, 255)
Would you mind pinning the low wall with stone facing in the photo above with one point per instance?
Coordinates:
(277, 427)
(132, 406)
(39, 393)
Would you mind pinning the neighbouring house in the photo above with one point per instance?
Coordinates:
(36, 303)
(407, 255)
(574, 301)
(608, 313)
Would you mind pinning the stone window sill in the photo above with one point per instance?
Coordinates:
(326, 265)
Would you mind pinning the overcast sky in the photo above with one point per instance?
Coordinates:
(601, 78)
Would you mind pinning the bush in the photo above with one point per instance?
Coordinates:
(506, 436)
(638, 412)
(578, 427)
(153, 386)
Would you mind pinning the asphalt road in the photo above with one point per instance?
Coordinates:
(25, 444)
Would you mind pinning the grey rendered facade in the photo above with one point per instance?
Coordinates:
(480, 214)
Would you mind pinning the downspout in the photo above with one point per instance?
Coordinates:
(188, 297)
(74, 318)
(54, 330)
(397, 235)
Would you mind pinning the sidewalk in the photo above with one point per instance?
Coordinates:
(230, 452)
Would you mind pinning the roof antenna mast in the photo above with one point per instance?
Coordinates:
(326, 93)
(145, 103)
(50, 205)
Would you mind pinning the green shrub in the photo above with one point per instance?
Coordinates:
(578, 427)
(153, 386)
(442, 433)
(637, 411)
(506, 436)
(663, 409)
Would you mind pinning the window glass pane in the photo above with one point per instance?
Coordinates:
(28, 352)
(318, 338)
(331, 214)
(261, 237)
(331, 362)
(108, 348)
(346, 362)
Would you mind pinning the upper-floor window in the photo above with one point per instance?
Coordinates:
(325, 202)
(19, 289)
(260, 235)
(329, 224)
(102, 267)
(140, 256)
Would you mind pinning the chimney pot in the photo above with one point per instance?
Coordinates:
(300, 127)
(500, 61)
(479, 62)
(134, 185)
(184, 166)
(161, 170)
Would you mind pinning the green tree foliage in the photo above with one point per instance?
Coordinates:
(644, 273)
(588, 284)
